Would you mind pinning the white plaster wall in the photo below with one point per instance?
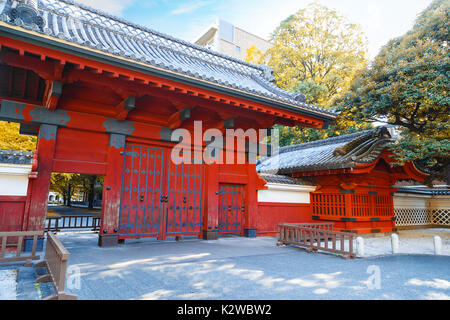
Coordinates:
(245, 40)
(440, 202)
(417, 201)
(14, 179)
(281, 193)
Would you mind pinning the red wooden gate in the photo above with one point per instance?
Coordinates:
(159, 197)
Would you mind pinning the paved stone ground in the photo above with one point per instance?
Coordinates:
(240, 268)
(72, 211)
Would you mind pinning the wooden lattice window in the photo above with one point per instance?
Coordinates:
(441, 217)
(422, 216)
(361, 206)
(328, 204)
(413, 217)
(383, 206)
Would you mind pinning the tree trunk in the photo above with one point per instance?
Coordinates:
(69, 195)
(92, 180)
(448, 175)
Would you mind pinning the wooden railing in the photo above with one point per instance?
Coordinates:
(55, 224)
(322, 225)
(56, 257)
(318, 237)
(17, 241)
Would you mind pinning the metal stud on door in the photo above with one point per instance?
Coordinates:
(142, 184)
(231, 208)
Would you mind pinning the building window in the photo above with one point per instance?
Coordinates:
(238, 49)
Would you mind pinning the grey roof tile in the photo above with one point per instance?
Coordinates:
(281, 179)
(80, 24)
(15, 157)
(425, 190)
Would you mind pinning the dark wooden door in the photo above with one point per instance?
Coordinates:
(231, 208)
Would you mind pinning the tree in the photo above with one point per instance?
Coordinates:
(407, 85)
(254, 55)
(86, 184)
(290, 136)
(317, 52)
(59, 183)
(11, 139)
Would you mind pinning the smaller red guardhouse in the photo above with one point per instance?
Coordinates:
(354, 174)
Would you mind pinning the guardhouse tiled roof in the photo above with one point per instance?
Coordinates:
(92, 29)
(334, 153)
(281, 179)
(15, 157)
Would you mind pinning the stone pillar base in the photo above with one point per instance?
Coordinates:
(210, 235)
(108, 240)
(250, 233)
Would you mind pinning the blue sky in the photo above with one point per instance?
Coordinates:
(381, 20)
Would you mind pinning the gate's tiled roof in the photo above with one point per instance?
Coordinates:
(334, 153)
(15, 157)
(90, 28)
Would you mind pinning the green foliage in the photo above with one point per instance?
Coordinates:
(315, 94)
(407, 85)
(296, 135)
(317, 51)
(59, 183)
(80, 184)
(254, 55)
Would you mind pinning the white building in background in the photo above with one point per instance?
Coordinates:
(54, 198)
(15, 168)
(228, 39)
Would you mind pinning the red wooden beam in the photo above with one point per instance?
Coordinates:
(52, 95)
(178, 118)
(123, 108)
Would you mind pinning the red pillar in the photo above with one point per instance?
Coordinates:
(211, 213)
(39, 189)
(251, 203)
(108, 235)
